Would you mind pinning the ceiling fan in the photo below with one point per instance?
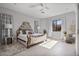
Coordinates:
(43, 5)
(44, 8)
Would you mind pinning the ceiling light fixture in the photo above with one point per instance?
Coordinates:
(43, 11)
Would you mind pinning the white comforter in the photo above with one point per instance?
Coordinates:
(23, 37)
(33, 39)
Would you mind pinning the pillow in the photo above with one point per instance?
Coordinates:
(23, 32)
(28, 32)
(20, 32)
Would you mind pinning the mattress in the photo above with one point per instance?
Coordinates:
(23, 37)
(36, 34)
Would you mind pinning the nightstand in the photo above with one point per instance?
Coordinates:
(8, 40)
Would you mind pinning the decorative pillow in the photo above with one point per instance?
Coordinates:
(23, 32)
(20, 32)
(29, 32)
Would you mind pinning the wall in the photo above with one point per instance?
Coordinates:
(18, 18)
(68, 20)
(77, 40)
(43, 25)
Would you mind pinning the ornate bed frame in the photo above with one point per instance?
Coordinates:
(31, 40)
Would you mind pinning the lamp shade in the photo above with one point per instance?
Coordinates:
(8, 26)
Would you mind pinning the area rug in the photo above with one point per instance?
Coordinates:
(48, 43)
(12, 49)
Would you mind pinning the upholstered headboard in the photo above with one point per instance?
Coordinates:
(25, 26)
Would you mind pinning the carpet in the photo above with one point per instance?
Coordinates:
(12, 49)
(15, 48)
(48, 43)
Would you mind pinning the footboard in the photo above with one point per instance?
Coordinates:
(24, 43)
(32, 40)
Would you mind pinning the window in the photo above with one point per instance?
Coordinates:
(56, 26)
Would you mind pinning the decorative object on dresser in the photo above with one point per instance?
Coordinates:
(6, 27)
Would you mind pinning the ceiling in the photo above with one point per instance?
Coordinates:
(53, 9)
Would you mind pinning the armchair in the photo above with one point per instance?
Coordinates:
(70, 38)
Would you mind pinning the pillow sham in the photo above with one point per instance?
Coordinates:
(23, 32)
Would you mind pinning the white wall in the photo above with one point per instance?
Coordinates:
(18, 18)
(68, 19)
(77, 32)
(43, 25)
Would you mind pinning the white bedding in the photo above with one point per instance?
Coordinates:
(34, 40)
(36, 34)
(23, 37)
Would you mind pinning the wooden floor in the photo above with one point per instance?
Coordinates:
(60, 49)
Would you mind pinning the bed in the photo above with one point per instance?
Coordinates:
(27, 37)
(29, 40)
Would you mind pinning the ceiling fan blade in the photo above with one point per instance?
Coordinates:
(44, 5)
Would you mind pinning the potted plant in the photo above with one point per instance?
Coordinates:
(65, 34)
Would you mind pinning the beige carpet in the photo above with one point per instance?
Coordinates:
(12, 49)
(48, 43)
(15, 48)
